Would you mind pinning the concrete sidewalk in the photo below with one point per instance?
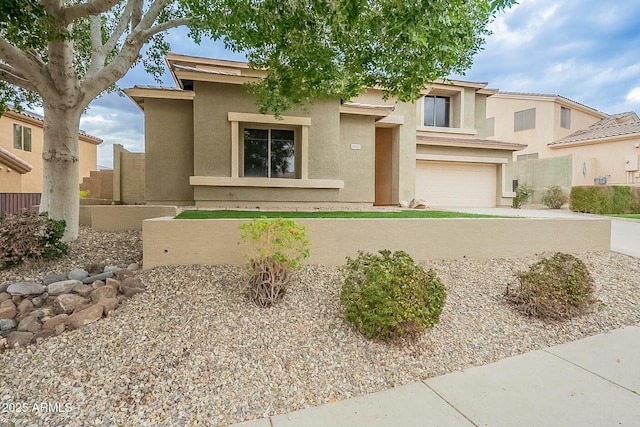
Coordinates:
(591, 382)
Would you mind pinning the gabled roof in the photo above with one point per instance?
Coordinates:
(550, 97)
(617, 126)
(14, 162)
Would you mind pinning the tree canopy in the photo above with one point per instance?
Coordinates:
(312, 48)
(65, 53)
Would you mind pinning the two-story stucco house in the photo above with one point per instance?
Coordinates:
(599, 148)
(21, 142)
(207, 145)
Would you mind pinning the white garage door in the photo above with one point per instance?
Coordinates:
(456, 184)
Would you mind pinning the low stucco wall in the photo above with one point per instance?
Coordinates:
(167, 241)
(118, 218)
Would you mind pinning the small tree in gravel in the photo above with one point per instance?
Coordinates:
(278, 247)
(388, 296)
(559, 287)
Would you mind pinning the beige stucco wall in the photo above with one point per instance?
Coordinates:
(542, 173)
(604, 159)
(503, 107)
(87, 159)
(119, 218)
(169, 151)
(184, 242)
(340, 147)
(31, 182)
(10, 180)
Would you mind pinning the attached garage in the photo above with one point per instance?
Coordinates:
(456, 183)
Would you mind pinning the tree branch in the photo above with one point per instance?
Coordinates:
(97, 54)
(91, 8)
(152, 14)
(22, 64)
(9, 75)
(132, 8)
(165, 26)
(118, 67)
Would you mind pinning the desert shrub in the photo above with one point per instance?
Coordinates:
(558, 287)
(554, 197)
(277, 247)
(30, 235)
(524, 193)
(388, 296)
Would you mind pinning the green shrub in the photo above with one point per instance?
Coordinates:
(524, 193)
(611, 199)
(84, 194)
(388, 296)
(30, 235)
(554, 197)
(277, 246)
(559, 287)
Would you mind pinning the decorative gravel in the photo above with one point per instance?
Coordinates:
(193, 350)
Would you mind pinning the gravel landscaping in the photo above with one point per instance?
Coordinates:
(192, 350)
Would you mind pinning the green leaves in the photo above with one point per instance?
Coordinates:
(387, 296)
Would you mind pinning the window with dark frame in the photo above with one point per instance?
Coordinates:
(21, 137)
(437, 111)
(269, 153)
(565, 118)
(524, 120)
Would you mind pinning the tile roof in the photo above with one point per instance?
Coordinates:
(622, 124)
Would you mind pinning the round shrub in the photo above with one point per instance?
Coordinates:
(388, 296)
(554, 197)
(559, 287)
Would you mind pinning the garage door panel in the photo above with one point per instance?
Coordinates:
(456, 184)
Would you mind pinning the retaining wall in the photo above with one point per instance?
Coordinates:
(168, 241)
(122, 217)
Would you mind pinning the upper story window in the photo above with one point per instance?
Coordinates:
(530, 156)
(437, 111)
(21, 137)
(269, 153)
(565, 118)
(490, 127)
(525, 119)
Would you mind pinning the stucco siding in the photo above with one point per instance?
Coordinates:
(169, 150)
(357, 158)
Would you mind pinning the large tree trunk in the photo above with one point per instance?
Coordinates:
(60, 192)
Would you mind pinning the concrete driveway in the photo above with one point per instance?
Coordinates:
(625, 234)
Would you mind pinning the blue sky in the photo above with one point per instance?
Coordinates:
(585, 50)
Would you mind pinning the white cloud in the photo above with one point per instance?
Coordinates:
(634, 95)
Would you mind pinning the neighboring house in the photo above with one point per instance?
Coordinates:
(606, 152)
(587, 146)
(207, 145)
(536, 120)
(21, 142)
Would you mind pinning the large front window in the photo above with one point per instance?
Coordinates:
(436, 111)
(269, 153)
